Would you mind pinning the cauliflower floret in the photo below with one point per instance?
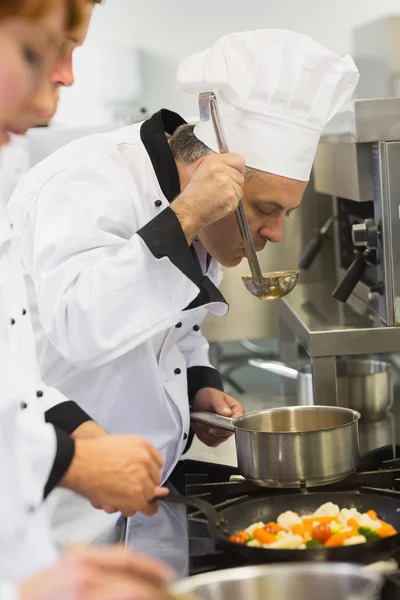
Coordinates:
(250, 530)
(287, 519)
(254, 544)
(349, 513)
(290, 542)
(366, 521)
(356, 539)
(327, 510)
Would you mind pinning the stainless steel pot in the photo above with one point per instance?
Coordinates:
(293, 446)
(327, 581)
(363, 384)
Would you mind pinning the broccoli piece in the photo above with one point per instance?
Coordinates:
(369, 533)
(314, 544)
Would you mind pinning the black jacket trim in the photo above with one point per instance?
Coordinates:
(201, 377)
(152, 134)
(163, 235)
(67, 416)
(65, 454)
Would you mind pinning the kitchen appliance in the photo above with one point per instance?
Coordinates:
(293, 446)
(282, 582)
(356, 168)
(365, 385)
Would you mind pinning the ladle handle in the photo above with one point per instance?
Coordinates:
(240, 213)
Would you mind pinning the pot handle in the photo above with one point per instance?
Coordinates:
(274, 367)
(203, 506)
(213, 420)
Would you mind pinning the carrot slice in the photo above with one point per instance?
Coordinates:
(299, 530)
(263, 536)
(372, 514)
(386, 530)
(338, 538)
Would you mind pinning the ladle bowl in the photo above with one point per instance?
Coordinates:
(273, 285)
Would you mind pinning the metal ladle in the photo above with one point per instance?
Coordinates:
(271, 285)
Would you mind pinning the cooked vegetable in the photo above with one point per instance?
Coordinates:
(327, 527)
(368, 533)
(314, 544)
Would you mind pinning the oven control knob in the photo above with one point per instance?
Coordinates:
(365, 234)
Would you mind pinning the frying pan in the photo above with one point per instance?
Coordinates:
(223, 523)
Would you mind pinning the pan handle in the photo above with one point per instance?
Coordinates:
(213, 420)
(202, 505)
(274, 367)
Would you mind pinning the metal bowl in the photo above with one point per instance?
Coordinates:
(328, 581)
(273, 286)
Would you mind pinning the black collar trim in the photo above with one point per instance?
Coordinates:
(152, 134)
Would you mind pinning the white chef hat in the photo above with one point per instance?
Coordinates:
(276, 91)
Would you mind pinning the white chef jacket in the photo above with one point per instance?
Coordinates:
(27, 444)
(116, 294)
(34, 454)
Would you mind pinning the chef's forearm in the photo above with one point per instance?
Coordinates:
(88, 430)
(187, 219)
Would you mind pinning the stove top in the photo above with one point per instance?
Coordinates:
(222, 485)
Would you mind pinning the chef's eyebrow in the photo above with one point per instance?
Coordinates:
(271, 204)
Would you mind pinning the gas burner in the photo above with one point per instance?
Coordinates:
(222, 486)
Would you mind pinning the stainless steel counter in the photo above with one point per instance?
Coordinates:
(327, 328)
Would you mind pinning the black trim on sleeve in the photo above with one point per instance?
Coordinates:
(164, 236)
(67, 416)
(201, 377)
(64, 455)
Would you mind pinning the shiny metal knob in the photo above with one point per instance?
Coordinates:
(365, 234)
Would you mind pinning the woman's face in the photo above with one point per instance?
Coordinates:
(28, 50)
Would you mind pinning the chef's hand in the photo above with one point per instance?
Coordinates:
(117, 473)
(99, 574)
(212, 193)
(212, 400)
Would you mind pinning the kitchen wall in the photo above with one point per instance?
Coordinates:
(166, 30)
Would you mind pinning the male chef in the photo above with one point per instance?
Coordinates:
(122, 235)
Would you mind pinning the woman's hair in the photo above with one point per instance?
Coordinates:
(35, 9)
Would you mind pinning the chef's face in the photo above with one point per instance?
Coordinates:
(43, 104)
(268, 200)
(28, 50)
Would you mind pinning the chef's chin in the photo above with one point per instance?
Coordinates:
(231, 261)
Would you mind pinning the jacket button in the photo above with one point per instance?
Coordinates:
(23, 405)
(12, 321)
(39, 394)
(177, 371)
(158, 203)
(196, 328)
(185, 436)
(23, 312)
(178, 325)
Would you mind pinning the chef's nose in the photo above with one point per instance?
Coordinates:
(272, 232)
(63, 74)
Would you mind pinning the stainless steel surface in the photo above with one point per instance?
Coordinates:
(285, 582)
(342, 168)
(303, 377)
(365, 234)
(365, 385)
(366, 121)
(328, 329)
(295, 445)
(377, 434)
(209, 110)
(273, 286)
